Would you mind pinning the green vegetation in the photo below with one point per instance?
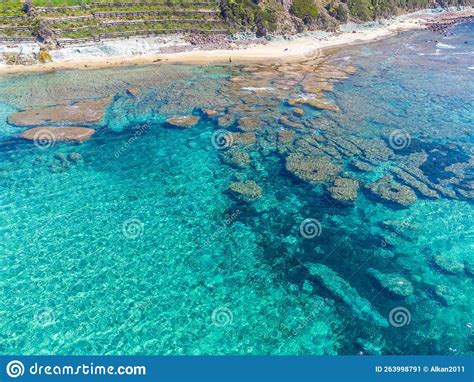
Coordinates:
(11, 8)
(248, 15)
(58, 19)
(366, 10)
(306, 10)
(87, 19)
(338, 11)
(362, 9)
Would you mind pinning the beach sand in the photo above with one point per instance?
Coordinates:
(296, 49)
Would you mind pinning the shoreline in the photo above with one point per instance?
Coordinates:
(296, 48)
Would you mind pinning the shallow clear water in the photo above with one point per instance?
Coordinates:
(140, 247)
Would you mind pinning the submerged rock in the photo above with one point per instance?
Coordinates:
(404, 229)
(466, 194)
(343, 290)
(448, 265)
(446, 295)
(315, 103)
(75, 157)
(298, 112)
(47, 135)
(58, 167)
(60, 157)
(344, 190)
(209, 113)
(134, 92)
(392, 282)
(288, 123)
(248, 138)
(183, 122)
(237, 158)
(249, 123)
(226, 121)
(247, 190)
(311, 169)
(350, 69)
(286, 137)
(361, 166)
(81, 112)
(417, 185)
(469, 266)
(384, 253)
(388, 190)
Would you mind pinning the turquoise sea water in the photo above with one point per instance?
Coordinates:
(140, 248)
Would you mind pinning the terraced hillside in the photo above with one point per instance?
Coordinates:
(71, 20)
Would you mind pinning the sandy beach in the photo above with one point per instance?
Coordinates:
(296, 48)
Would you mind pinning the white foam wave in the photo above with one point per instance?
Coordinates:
(253, 89)
(444, 46)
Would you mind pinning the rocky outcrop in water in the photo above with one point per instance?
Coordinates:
(445, 295)
(247, 190)
(134, 92)
(249, 123)
(209, 113)
(225, 121)
(287, 122)
(343, 290)
(185, 122)
(417, 185)
(81, 112)
(75, 157)
(392, 282)
(48, 135)
(311, 169)
(448, 265)
(315, 103)
(247, 139)
(387, 190)
(361, 166)
(237, 158)
(344, 190)
(403, 229)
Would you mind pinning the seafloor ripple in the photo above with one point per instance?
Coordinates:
(133, 243)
